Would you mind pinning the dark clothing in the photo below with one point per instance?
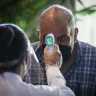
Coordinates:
(80, 76)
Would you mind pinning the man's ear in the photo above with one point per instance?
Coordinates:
(38, 34)
(76, 33)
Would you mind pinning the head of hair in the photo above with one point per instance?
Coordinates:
(59, 12)
(13, 46)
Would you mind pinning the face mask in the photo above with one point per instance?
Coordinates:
(66, 52)
(26, 68)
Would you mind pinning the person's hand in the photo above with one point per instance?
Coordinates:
(53, 58)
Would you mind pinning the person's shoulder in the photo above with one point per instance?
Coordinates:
(35, 44)
(87, 46)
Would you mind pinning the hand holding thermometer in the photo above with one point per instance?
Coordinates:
(50, 40)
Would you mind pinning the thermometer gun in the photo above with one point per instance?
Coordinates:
(50, 40)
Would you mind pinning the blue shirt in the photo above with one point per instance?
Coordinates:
(80, 76)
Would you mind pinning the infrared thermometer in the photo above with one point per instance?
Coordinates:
(50, 40)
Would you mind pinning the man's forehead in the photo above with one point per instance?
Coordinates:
(53, 24)
(56, 29)
(54, 18)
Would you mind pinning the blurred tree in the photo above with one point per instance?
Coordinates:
(24, 13)
(20, 12)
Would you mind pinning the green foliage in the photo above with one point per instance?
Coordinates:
(20, 12)
(87, 11)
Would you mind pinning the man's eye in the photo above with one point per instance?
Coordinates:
(62, 39)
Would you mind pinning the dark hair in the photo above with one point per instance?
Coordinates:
(13, 46)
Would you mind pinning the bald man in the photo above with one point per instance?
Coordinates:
(79, 58)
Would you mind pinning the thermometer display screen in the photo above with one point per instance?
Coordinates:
(49, 41)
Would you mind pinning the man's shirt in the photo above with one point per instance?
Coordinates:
(80, 76)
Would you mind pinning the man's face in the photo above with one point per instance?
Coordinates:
(63, 36)
(61, 31)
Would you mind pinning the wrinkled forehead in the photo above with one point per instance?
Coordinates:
(53, 20)
(53, 23)
(57, 28)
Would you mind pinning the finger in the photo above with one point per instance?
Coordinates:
(46, 49)
(56, 46)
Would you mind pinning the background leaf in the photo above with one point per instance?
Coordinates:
(87, 11)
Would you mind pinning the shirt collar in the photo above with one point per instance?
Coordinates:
(79, 51)
(39, 52)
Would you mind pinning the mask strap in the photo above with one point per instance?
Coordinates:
(27, 66)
